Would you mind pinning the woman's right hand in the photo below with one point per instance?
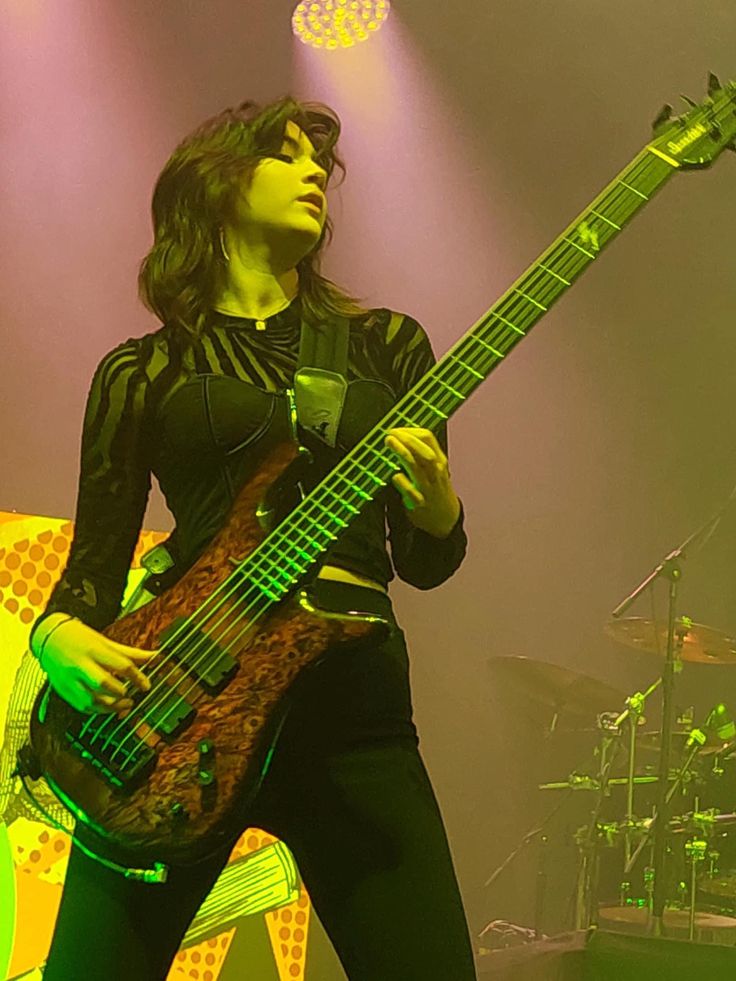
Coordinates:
(88, 670)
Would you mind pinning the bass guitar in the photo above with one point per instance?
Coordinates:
(235, 634)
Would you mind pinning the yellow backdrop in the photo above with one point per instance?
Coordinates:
(33, 854)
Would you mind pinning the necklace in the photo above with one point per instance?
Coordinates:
(260, 323)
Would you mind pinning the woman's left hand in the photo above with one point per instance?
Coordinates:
(425, 488)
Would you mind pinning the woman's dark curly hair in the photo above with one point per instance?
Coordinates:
(180, 277)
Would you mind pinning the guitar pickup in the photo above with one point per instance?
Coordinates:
(201, 658)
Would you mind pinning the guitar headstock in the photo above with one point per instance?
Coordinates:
(700, 135)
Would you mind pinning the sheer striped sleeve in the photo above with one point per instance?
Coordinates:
(114, 483)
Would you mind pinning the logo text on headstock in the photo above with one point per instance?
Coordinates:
(689, 137)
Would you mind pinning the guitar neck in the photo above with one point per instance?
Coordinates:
(286, 556)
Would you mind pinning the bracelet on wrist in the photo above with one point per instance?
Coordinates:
(38, 651)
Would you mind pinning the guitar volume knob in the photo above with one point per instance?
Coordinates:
(206, 767)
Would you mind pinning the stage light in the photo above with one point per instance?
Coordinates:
(330, 24)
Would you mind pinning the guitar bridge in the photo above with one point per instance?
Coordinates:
(124, 760)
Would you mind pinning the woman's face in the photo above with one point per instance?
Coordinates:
(270, 211)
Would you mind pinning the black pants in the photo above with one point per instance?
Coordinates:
(349, 795)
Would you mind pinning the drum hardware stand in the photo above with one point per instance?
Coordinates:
(541, 877)
(713, 857)
(586, 905)
(696, 739)
(610, 726)
(541, 887)
(649, 884)
(671, 569)
(565, 693)
(696, 850)
(633, 712)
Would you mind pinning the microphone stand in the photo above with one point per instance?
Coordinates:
(679, 553)
(669, 568)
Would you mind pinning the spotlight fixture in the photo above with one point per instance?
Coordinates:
(330, 24)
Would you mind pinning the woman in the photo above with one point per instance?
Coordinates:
(231, 274)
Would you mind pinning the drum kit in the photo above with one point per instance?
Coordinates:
(617, 862)
(672, 874)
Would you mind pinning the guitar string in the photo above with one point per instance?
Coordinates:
(462, 371)
(558, 252)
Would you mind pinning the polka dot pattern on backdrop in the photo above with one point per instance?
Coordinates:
(30, 566)
(288, 930)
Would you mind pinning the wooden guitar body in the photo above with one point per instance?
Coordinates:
(195, 760)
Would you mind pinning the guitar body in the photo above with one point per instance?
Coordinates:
(193, 790)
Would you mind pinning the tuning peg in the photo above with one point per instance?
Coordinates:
(714, 84)
(665, 114)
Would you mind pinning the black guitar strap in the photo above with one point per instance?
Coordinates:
(320, 381)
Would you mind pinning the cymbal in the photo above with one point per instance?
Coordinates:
(559, 689)
(701, 645)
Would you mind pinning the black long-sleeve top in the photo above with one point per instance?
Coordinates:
(196, 414)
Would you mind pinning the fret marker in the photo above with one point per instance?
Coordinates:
(553, 273)
(590, 255)
(588, 236)
(607, 220)
(630, 187)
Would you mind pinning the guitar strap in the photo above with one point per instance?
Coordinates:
(320, 381)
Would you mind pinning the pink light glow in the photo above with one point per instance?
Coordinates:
(412, 160)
